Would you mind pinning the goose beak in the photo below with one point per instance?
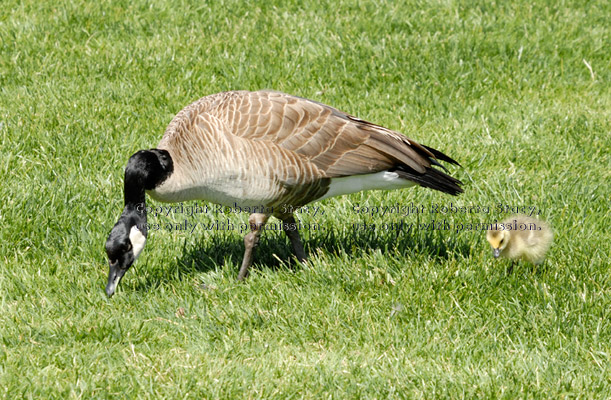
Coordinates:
(114, 277)
(497, 253)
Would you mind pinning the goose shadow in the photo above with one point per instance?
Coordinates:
(218, 249)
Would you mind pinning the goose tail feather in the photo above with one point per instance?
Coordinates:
(432, 178)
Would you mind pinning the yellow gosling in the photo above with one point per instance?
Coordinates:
(521, 238)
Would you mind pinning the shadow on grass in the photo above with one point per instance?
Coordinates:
(216, 249)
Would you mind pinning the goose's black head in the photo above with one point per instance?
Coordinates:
(125, 243)
(145, 170)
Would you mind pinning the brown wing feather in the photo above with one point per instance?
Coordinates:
(331, 143)
(337, 143)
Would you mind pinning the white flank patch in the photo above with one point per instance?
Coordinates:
(138, 241)
(379, 181)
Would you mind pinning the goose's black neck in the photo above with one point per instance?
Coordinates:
(145, 170)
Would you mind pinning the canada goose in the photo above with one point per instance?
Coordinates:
(250, 149)
(520, 237)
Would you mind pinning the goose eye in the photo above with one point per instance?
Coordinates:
(129, 247)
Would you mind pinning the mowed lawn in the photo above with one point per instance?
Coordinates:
(388, 305)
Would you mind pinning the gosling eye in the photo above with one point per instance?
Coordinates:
(502, 240)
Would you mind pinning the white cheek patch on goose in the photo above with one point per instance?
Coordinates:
(138, 241)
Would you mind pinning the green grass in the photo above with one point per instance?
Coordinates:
(505, 88)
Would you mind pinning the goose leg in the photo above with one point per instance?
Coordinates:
(251, 240)
(289, 226)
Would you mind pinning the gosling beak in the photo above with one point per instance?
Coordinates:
(114, 277)
(497, 253)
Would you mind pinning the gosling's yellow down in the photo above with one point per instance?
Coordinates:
(521, 238)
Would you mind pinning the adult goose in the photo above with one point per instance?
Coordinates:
(264, 148)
